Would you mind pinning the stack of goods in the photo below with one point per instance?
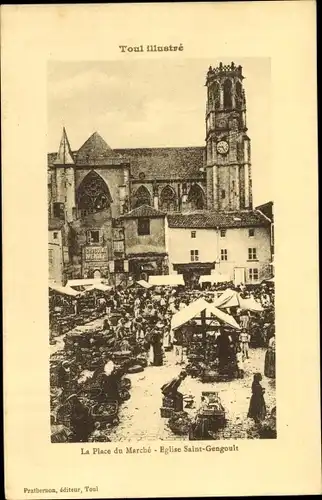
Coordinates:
(105, 412)
(229, 371)
(141, 360)
(60, 434)
(180, 423)
(268, 427)
(167, 409)
(213, 408)
(61, 324)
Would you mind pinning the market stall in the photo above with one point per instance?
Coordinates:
(167, 280)
(214, 278)
(230, 298)
(62, 308)
(144, 284)
(205, 329)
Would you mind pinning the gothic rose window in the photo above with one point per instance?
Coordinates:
(141, 197)
(196, 198)
(168, 199)
(93, 194)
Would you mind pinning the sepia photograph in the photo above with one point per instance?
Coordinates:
(145, 278)
(161, 251)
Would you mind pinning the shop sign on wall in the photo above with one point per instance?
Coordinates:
(95, 253)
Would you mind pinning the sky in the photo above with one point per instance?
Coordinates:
(154, 103)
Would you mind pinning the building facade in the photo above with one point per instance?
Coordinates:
(106, 197)
(55, 252)
(145, 242)
(236, 245)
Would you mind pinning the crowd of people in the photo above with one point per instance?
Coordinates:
(138, 321)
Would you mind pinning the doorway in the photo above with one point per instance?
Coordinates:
(97, 274)
(239, 276)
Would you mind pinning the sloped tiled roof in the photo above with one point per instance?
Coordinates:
(95, 151)
(143, 211)
(212, 220)
(145, 163)
(165, 163)
(267, 209)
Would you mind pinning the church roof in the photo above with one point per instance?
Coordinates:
(213, 220)
(143, 211)
(95, 151)
(64, 155)
(165, 163)
(145, 163)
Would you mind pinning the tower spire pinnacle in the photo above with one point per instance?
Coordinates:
(64, 155)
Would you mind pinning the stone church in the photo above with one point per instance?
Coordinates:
(115, 203)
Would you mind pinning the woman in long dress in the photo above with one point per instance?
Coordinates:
(269, 367)
(157, 348)
(257, 406)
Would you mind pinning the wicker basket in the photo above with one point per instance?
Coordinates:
(125, 383)
(166, 412)
(180, 426)
(105, 417)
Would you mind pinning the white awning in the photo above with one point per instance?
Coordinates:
(195, 308)
(100, 287)
(214, 278)
(65, 290)
(84, 282)
(231, 298)
(144, 284)
(166, 280)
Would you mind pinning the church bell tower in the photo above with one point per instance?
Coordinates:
(229, 179)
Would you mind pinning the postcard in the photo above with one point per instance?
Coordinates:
(161, 333)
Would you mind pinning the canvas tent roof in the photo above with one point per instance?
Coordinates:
(231, 298)
(195, 308)
(99, 286)
(166, 280)
(65, 290)
(144, 284)
(214, 278)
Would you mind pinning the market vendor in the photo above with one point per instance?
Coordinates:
(81, 422)
(109, 380)
(63, 375)
(225, 350)
(170, 390)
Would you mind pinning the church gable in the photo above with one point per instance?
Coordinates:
(95, 151)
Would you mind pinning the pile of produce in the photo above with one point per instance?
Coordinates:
(106, 412)
(180, 423)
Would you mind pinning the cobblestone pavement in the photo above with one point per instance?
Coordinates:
(140, 416)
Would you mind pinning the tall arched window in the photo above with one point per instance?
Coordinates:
(217, 95)
(141, 197)
(93, 194)
(196, 198)
(168, 199)
(239, 94)
(227, 94)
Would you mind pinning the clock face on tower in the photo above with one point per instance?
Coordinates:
(222, 147)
